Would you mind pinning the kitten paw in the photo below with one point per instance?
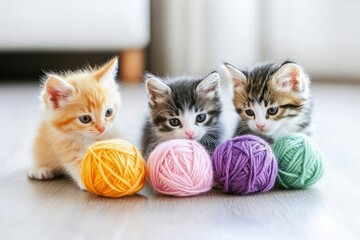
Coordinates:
(81, 186)
(42, 173)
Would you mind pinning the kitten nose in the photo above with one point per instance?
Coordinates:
(260, 126)
(100, 128)
(189, 133)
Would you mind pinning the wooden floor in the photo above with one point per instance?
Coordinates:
(59, 210)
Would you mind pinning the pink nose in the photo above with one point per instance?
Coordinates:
(260, 126)
(189, 133)
(101, 129)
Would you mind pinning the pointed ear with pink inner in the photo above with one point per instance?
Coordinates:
(157, 91)
(238, 78)
(57, 90)
(290, 77)
(108, 72)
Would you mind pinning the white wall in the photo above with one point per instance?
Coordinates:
(322, 35)
(196, 36)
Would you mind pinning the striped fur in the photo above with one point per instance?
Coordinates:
(272, 100)
(183, 98)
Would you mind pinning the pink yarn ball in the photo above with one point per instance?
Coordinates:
(180, 167)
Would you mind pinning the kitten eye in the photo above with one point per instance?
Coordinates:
(174, 122)
(272, 110)
(85, 119)
(250, 112)
(201, 118)
(109, 112)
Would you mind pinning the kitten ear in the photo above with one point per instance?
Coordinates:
(157, 90)
(290, 77)
(209, 85)
(237, 76)
(57, 89)
(108, 72)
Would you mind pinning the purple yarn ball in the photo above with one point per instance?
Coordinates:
(244, 165)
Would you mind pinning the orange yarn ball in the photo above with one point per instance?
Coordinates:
(113, 168)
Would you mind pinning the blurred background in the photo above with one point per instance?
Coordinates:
(170, 37)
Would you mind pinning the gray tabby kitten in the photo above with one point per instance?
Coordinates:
(182, 108)
(273, 100)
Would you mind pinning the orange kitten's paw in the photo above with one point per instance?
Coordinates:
(81, 185)
(43, 173)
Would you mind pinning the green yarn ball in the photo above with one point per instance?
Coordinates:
(300, 162)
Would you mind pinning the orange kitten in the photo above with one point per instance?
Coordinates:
(80, 108)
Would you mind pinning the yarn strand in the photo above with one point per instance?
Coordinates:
(244, 165)
(113, 168)
(180, 167)
(300, 161)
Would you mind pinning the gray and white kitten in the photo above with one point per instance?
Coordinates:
(182, 108)
(272, 100)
